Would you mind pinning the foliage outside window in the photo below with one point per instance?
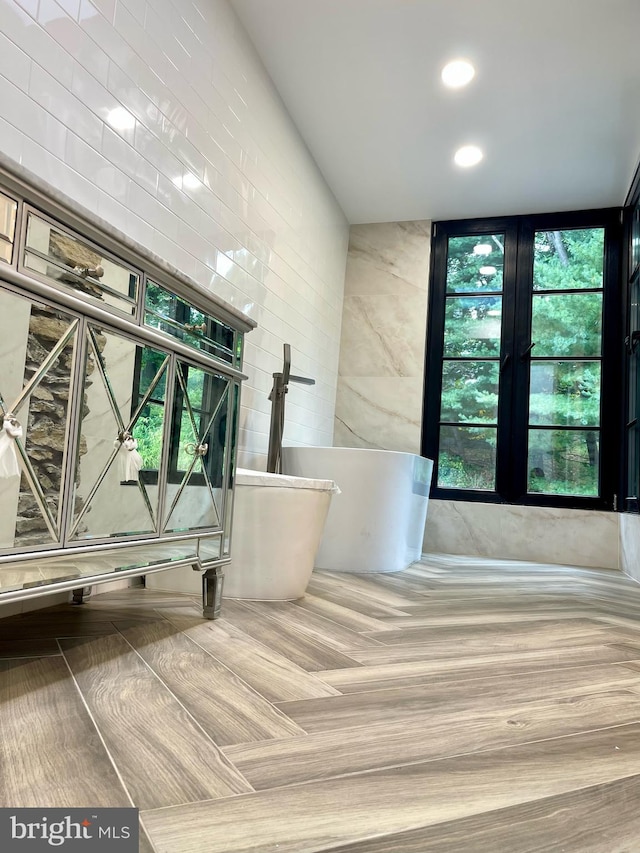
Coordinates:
(514, 405)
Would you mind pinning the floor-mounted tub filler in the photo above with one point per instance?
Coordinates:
(376, 523)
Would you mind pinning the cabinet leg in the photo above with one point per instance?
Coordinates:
(212, 581)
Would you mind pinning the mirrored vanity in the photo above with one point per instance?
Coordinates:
(119, 398)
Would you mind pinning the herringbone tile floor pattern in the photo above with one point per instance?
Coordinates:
(460, 705)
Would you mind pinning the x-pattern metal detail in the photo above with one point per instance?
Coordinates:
(122, 427)
(30, 475)
(199, 442)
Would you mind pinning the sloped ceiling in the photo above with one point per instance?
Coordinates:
(555, 103)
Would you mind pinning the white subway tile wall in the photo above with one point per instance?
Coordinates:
(160, 117)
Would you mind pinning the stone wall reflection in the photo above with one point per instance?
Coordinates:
(45, 427)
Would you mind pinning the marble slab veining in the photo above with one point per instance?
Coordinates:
(379, 397)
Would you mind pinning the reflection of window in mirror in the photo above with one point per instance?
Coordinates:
(175, 317)
(198, 416)
(149, 426)
(204, 392)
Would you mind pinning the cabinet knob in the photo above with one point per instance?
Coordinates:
(93, 272)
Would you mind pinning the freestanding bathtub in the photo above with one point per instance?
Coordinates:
(277, 525)
(377, 522)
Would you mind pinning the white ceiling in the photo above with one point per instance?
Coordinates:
(555, 103)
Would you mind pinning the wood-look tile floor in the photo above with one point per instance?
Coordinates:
(460, 705)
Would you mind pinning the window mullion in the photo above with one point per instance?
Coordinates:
(515, 463)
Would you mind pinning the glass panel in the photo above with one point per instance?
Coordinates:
(567, 324)
(467, 458)
(196, 452)
(568, 259)
(216, 435)
(564, 462)
(176, 317)
(37, 346)
(473, 326)
(68, 567)
(633, 412)
(79, 266)
(147, 375)
(635, 238)
(565, 393)
(633, 450)
(8, 212)
(192, 505)
(470, 391)
(149, 426)
(148, 432)
(233, 442)
(209, 549)
(120, 437)
(475, 263)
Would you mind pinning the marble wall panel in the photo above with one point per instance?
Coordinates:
(540, 534)
(373, 411)
(379, 398)
(630, 544)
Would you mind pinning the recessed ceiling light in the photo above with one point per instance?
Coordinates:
(121, 119)
(482, 249)
(468, 155)
(488, 270)
(457, 73)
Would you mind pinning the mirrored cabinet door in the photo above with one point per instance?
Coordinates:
(176, 317)
(196, 465)
(37, 353)
(75, 264)
(116, 488)
(8, 213)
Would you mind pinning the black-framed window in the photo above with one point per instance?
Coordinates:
(522, 386)
(631, 423)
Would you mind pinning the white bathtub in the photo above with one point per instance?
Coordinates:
(377, 522)
(277, 525)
